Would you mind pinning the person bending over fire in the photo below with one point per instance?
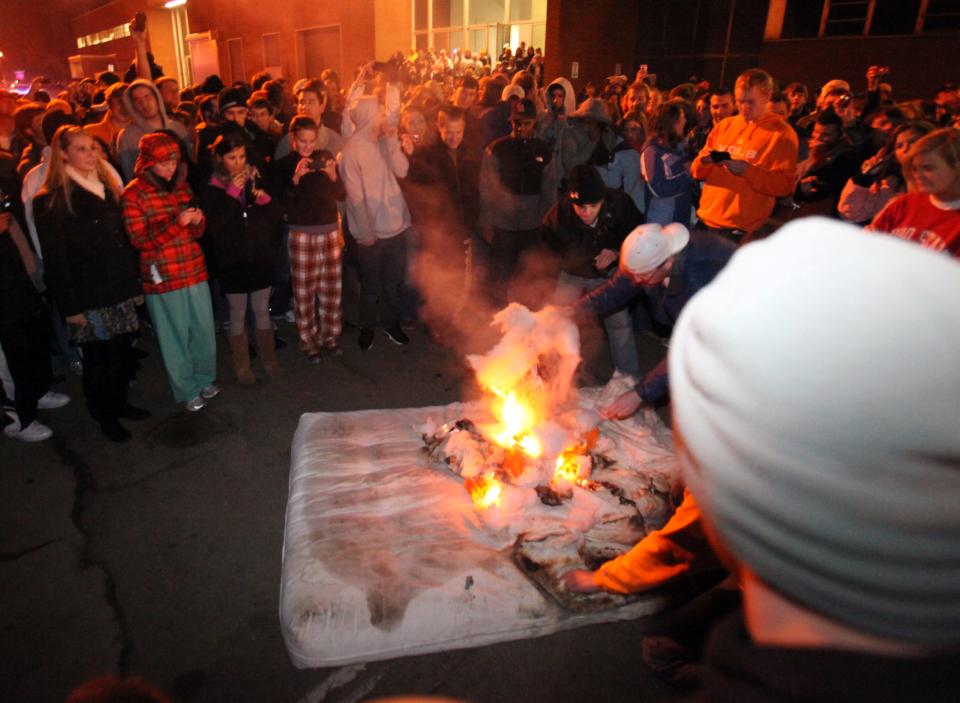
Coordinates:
(666, 266)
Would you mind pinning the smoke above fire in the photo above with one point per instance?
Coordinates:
(450, 272)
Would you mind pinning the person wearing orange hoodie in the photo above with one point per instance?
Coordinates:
(748, 162)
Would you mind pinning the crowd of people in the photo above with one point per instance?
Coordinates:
(213, 205)
(132, 200)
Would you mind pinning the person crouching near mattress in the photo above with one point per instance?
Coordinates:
(822, 451)
(164, 224)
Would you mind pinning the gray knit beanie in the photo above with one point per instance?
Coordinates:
(816, 393)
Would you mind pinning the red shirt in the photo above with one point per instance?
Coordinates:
(916, 218)
(170, 257)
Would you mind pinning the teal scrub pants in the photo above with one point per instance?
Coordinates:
(183, 321)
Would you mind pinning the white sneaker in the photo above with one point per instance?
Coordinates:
(52, 400)
(34, 432)
(195, 404)
(209, 392)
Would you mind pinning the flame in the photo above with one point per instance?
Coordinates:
(567, 467)
(485, 490)
(517, 418)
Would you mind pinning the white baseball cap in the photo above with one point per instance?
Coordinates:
(648, 246)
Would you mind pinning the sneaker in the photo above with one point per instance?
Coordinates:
(52, 400)
(195, 404)
(396, 335)
(314, 359)
(366, 338)
(209, 392)
(290, 316)
(333, 350)
(34, 432)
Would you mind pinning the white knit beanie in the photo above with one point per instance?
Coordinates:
(816, 390)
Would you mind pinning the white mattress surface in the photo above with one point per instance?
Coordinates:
(385, 555)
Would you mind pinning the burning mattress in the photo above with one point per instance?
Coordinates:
(386, 554)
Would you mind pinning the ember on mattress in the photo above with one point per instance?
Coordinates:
(385, 555)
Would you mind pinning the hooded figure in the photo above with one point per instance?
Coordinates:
(371, 160)
(143, 123)
(551, 121)
(370, 164)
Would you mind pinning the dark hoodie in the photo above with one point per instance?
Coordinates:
(129, 138)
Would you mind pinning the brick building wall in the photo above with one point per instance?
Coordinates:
(300, 35)
(597, 35)
(36, 37)
(918, 64)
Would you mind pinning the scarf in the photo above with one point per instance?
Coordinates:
(91, 184)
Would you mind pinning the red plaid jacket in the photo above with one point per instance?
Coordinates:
(170, 257)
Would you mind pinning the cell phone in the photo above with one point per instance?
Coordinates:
(644, 67)
(718, 156)
(192, 204)
(844, 101)
(138, 23)
(318, 163)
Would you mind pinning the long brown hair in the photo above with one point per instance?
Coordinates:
(58, 183)
(664, 123)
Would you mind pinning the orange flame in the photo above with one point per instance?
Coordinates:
(485, 490)
(567, 467)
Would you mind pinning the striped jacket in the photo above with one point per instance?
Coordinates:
(170, 257)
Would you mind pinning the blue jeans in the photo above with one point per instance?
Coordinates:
(619, 326)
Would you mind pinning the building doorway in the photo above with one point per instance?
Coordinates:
(318, 48)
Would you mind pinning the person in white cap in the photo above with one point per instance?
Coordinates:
(667, 266)
(824, 456)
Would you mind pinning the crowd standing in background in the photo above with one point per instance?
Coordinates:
(252, 200)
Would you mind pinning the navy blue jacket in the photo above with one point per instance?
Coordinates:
(693, 268)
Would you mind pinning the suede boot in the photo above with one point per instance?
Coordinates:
(241, 359)
(268, 353)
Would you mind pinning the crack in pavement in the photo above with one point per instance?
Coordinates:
(85, 487)
(172, 466)
(14, 556)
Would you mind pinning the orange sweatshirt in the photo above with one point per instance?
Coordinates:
(678, 548)
(744, 202)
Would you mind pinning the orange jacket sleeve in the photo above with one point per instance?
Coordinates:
(680, 547)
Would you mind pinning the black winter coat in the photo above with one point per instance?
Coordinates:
(435, 183)
(313, 201)
(19, 299)
(88, 260)
(242, 239)
(578, 244)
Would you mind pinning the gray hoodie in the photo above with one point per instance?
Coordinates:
(129, 138)
(369, 166)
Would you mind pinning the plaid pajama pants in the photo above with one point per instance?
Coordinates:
(315, 267)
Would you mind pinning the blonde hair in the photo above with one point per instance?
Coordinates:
(58, 183)
(945, 142)
(756, 77)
